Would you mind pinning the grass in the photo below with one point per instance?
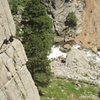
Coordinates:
(62, 89)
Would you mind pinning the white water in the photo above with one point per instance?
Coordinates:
(76, 46)
(93, 56)
(55, 53)
(89, 53)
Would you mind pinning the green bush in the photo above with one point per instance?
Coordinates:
(71, 20)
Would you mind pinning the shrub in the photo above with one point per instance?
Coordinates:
(71, 20)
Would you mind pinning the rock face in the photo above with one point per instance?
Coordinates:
(90, 35)
(15, 80)
(77, 66)
(87, 12)
(58, 11)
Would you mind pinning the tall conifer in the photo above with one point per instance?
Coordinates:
(37, 40)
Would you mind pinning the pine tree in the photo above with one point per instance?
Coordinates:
(37, 40)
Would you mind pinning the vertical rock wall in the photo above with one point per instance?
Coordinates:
(15, 80)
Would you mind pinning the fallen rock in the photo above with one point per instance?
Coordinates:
(67, 46)
(94, 49)
(63, 50)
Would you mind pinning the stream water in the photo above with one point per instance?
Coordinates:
(55, 53)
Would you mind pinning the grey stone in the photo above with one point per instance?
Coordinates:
(15, 80)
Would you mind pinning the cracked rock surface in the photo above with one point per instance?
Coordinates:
(15, 80)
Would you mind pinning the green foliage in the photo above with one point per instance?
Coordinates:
(37, 40)
(13, 6)
(71, 20)
(16, 5)
(62, 89)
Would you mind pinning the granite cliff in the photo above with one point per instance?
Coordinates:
(15, 80)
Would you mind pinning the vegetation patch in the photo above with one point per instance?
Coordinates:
(63, 89)
(71, 20)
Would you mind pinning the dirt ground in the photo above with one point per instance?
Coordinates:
(90, 36)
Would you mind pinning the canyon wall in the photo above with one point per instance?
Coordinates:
(87, 32)
(58, 10)
(90, 35)
(15, 80)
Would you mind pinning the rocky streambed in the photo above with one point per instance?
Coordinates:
(77, 63)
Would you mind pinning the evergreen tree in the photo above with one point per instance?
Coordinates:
(37, 40)
(14, 6)
(17, 5)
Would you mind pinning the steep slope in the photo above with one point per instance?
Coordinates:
(59, 9)
(88, 14)
(15, 80)
(90, 35)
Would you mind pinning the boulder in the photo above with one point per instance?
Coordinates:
(94, 49)
(58, 39)
(67, 46)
